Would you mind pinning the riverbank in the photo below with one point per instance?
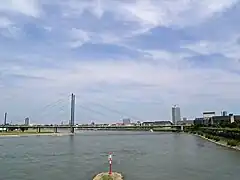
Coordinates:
(25, 134)
(221, 142)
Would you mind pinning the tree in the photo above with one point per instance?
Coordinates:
(233, 125)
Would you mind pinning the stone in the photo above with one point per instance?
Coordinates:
(106, 176)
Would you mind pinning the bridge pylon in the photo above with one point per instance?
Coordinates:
(72, 112)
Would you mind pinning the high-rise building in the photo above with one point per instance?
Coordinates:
(176, 115)
(27, 122)
(5, 119)
(126, 121)
(224, 113)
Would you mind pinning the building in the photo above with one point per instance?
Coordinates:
(207, 116)
(199, 121)
(236, 118)
(27, 121)
(176, 115)
(224, 113)
(185, 122)
(217, 120)
(5, 119)
(126, 121)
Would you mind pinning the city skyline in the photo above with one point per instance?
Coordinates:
(139, 58)
(175, 118)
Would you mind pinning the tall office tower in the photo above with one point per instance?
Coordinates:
(224, 113)
(126, 121)
(27, 122)
(176, 115)
(5, 119)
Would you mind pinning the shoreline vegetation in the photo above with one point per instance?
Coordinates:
(221, 142)
(30, 133)
(33, 132)
(226, 137)
(106, 176)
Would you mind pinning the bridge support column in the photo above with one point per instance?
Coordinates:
(182, 128)
(71, 129)
(38, 129)
(55, 130)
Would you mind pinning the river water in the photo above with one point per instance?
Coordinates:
(138, 155)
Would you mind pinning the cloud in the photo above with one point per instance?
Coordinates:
(138, 58)
(5, 22)
(228, 48)
(79, 37)
(7, 28)
(26, 7)
(167, 13)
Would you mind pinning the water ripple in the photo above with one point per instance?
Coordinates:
(139, 156)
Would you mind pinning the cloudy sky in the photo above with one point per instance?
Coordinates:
(122, 58)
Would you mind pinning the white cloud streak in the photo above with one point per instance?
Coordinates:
(5, 22)
(153, 13)
(26, 7)
(229, 49)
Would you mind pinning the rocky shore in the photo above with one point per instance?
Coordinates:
(106, 176)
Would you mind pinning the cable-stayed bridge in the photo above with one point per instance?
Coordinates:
(71, 125)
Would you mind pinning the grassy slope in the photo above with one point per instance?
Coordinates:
(107, 177)
(34, 131)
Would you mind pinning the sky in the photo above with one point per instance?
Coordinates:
(121, 58)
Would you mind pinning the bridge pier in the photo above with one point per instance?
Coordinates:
(179, 128)
(71, 129)
(55, 130)
(38, 129)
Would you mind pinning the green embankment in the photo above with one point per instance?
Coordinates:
(221, 140)
(32, 131)
(165, 130)
(224, 136)
(106, 176)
